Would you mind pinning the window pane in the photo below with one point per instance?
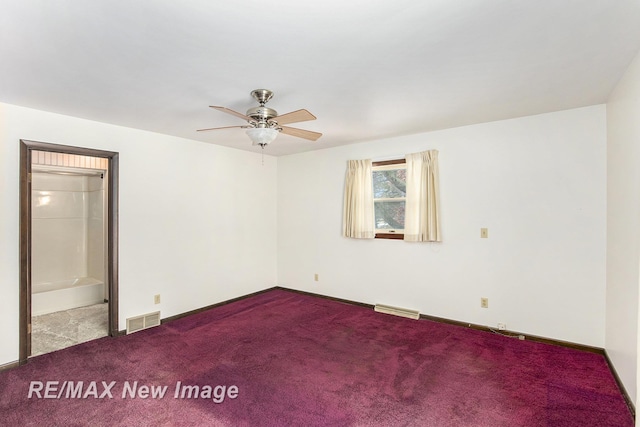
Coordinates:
(389, 215)
(389, 183)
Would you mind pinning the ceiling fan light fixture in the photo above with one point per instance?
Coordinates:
(262, 136)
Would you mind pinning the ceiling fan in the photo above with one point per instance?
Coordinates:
(264, 123)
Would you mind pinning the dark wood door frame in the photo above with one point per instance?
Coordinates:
(26, 148)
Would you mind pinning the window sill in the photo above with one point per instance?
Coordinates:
(393, 236)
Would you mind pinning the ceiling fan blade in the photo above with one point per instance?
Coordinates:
(301, 133)
(230, 111)
(224, 127)
(294, 117)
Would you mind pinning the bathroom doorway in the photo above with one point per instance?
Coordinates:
(68, 246)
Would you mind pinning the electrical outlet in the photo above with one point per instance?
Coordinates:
(484, 302)
(316, 277)
(502, 326)
(484, 233)
(156, 299)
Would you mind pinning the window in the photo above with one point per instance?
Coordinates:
(377, 195)
(389, 198)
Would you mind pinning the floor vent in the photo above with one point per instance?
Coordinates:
(402, 312)
(138, 323)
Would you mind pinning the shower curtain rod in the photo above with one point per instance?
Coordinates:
(85, 172)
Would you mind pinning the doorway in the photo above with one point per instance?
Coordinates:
(95, 171)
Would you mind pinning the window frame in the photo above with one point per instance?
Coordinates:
(391, 234)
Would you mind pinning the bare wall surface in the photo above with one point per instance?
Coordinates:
(197, 221)
(623, 226)
(537, 183)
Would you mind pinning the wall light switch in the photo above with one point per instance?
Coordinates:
(484, 233)
(156, 299)
(484, 302)
(316, 277)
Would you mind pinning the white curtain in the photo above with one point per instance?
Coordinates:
(422, 221)
(357, 218)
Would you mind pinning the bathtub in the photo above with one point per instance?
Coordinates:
(48, 297)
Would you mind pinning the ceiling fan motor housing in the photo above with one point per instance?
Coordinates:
(262, 114)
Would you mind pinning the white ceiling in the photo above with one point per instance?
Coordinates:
(367, 69)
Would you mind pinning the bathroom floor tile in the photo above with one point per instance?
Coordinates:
(62, 329)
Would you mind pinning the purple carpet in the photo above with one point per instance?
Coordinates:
(281, 358)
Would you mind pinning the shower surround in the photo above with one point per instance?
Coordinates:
(68, 238)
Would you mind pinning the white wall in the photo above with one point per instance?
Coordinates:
(623, 226)
(197, 221)
(538, 183)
